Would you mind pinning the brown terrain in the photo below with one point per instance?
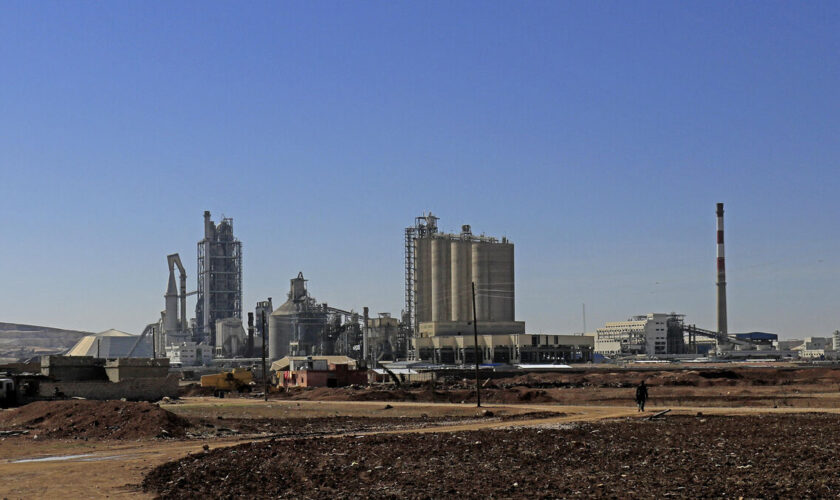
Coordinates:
(681, 456)
(730, 432)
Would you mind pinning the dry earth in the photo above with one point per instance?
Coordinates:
(680, 456)
(775, 407)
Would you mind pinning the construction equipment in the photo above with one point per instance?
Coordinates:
(239, 380)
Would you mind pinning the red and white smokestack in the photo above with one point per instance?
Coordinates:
(721, 274)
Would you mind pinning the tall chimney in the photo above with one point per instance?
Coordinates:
(721, 274)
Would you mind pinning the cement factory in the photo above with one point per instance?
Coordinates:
(459, 311)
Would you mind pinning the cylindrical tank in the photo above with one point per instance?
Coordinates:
(461, 271)
(280, 330)
(423, 280)
(441, 280)
(500, 269)
(481, 277)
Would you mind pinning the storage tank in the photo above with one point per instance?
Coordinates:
(296, 327)
(441, 280)
(461, 271)
(280, 330)
(500, 272)
(481, 277)
(423, 279)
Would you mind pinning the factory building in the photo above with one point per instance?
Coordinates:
(505, 349)
(440, 271)
(112, 344)
(382, 337)
(219, 278)
(231, 339)
(651, 334)
(296, 327)
(172, 335)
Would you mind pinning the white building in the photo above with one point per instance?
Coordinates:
(189, 354)
(231, 338)
(647, 334)
(816, 347)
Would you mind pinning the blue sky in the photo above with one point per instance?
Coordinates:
(598, 136)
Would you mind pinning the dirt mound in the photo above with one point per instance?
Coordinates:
(618, 459)
(84, 419)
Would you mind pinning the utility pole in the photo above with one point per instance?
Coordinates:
(475, 350)
(365, 312)
(264, 372)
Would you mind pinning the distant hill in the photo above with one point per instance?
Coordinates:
(20, 342)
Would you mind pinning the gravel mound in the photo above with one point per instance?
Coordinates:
(85, 419)
(683, 457)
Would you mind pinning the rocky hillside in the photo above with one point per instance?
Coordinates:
(20, 342)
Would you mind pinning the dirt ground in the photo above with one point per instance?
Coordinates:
(81, 419)
(730, 386)
(682, 456)
(536, 409)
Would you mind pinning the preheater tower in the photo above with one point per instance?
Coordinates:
(721, 274)
(219, 277)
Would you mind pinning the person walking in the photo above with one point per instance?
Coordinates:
(641, 395)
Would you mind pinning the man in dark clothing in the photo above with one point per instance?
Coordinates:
(641, 395)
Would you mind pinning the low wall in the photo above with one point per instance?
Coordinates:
(73, 367)
(140, 389)
(130, 368)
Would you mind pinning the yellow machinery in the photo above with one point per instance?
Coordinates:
(239, 380)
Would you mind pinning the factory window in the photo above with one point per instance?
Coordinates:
(535, 340)
(556, 339)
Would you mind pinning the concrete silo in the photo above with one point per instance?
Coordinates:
(441, 271)
(423, 280)
(500, 275)
(461, 270)
(296, 327)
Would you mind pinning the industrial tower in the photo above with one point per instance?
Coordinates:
(721, 275)
(219, 278)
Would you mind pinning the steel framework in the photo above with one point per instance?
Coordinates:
(219, 281)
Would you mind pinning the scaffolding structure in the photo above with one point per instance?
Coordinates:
(219, 278)
(424, 226)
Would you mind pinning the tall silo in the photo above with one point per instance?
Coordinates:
(441, 279)
(461, 270)
(423, 280)
(481, 277)
(500, 272)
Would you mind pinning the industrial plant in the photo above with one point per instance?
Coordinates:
(460, 293)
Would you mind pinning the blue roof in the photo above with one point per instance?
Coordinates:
(757, 336)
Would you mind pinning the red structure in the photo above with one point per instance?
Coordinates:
(338, 375)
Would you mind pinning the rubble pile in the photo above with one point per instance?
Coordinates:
(85, 419)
